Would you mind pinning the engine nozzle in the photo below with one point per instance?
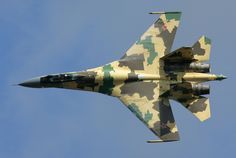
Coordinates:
(201, 89)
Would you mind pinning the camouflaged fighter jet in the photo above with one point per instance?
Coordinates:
(148, 76)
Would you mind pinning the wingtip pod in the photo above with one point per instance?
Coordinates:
(176, 12)
(161, 141)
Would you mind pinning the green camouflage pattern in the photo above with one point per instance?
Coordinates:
(144, 79)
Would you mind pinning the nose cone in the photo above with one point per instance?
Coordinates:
(221, 77)
(32, 83)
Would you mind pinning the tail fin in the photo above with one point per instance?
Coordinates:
(201, 49)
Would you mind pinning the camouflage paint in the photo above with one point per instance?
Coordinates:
(140, 81)
(147, 44)
(135, 109)
(171, 16)
(148, 116)
(107, 86)
(207, 41)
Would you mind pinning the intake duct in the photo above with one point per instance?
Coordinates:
(187, 67)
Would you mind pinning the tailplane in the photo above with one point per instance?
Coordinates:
(200, 51)
(200, 107)
(190, 95)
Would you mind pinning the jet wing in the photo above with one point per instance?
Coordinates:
(142, 99)
(156, 41)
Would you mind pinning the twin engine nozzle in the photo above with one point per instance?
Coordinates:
(186, 90)
(187, 67)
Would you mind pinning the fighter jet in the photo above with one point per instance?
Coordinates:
(148, 76)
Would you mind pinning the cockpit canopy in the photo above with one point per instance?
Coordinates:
(57, 78)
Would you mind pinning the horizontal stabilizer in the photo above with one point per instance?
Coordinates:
(200, 51)
(200, 107)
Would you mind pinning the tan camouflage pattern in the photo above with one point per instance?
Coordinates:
(200, 51)
(140, 81)
(143, 99)
(200, 107)
(183, 93)
(155, 43)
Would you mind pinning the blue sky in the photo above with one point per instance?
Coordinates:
(50, 36)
